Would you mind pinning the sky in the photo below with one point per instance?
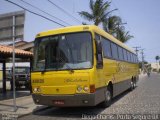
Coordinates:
(142, 18)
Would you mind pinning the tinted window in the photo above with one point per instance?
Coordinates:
(106, 45)
(129, 56)
(135, 58)
(97, 37)
(132, 57)
(120, 53)
(114, 50)
(125, 54)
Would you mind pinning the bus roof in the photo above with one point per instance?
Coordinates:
(80, 28)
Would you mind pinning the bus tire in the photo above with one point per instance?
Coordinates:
(131, 85)
(134, 83)
(108, 98)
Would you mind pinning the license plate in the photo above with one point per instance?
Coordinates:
(58, 102)
(22, 82)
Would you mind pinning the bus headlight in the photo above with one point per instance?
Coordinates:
(86, 89)
(79, 88)
(36, 89)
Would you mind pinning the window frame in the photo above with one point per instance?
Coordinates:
(104, 56)
(127, 55)
(112, 43)
(119, 47)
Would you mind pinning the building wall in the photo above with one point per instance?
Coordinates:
(6, 26)
(155, 65)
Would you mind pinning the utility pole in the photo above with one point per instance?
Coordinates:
(142, 53)
(13, 67)
(136, 49)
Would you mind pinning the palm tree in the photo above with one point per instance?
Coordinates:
(122, 35)
(157, 58)
(99, 11)
(111, 24)
(100, 14)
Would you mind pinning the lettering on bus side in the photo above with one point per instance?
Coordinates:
(38, 81)
(74, 80)
(122, 67)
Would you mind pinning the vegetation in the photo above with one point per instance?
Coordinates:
(140, 64)
(157, 58)
(101, 14)
(122, 35)
(111, 24)
(99, 11)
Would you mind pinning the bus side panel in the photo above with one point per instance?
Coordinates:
(126, 71)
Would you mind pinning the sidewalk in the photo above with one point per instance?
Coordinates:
(25, 106)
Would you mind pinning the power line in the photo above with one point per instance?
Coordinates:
(64, 11)
(35, 13)
(43, 11)
(120, 13)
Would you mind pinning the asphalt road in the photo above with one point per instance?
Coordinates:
(143, 101)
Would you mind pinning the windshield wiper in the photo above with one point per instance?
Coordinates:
(68, 67)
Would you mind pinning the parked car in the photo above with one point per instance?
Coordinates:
(22, 77)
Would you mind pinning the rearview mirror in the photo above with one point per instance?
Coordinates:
(99, 54)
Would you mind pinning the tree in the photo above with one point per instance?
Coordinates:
(99, 11)
(122, 35)
(157, 58)
(111, 24)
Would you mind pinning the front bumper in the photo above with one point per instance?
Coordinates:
(69, 100)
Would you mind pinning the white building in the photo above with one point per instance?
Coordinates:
(155, 65)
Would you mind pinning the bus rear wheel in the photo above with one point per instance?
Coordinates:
(131, 85)
(134, 83)
(108, 98)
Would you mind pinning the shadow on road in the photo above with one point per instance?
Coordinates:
(115, 99)
(73, 112)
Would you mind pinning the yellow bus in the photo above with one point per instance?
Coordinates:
(81, 66)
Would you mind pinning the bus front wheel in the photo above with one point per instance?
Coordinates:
(133, 83)
(108, 98)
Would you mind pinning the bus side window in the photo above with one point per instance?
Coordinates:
(125, 54)
(114, 51)
(106, 46)
(120, 53)
(133, 56)
(129, 56)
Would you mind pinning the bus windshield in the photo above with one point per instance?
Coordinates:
(61, 52)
